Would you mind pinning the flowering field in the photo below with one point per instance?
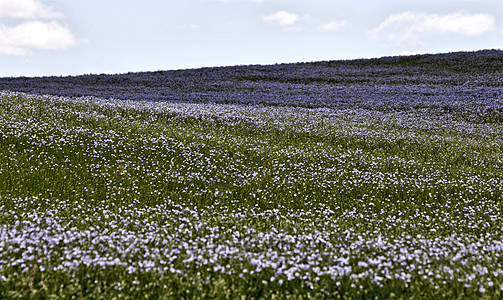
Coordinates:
(376, 195)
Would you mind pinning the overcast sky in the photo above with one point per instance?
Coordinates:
(61, 37)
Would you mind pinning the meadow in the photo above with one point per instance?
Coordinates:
(322, 187)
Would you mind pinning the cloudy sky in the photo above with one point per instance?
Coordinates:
(61, 37)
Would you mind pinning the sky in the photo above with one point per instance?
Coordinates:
(72, 37)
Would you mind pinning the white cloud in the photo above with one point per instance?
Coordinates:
(282, 18)
(333, 26)
(19, 40)
(411, 26)
(27, 9)
(32, 35)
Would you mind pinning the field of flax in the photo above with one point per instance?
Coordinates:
(362, 198)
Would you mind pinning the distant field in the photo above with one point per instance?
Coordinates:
(368, 179)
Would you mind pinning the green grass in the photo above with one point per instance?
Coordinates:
(104, 199)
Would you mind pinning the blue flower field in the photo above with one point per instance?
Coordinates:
(363, 179)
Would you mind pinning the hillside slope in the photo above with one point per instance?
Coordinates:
(384, 83)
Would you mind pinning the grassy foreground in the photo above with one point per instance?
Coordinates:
(104, 198)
